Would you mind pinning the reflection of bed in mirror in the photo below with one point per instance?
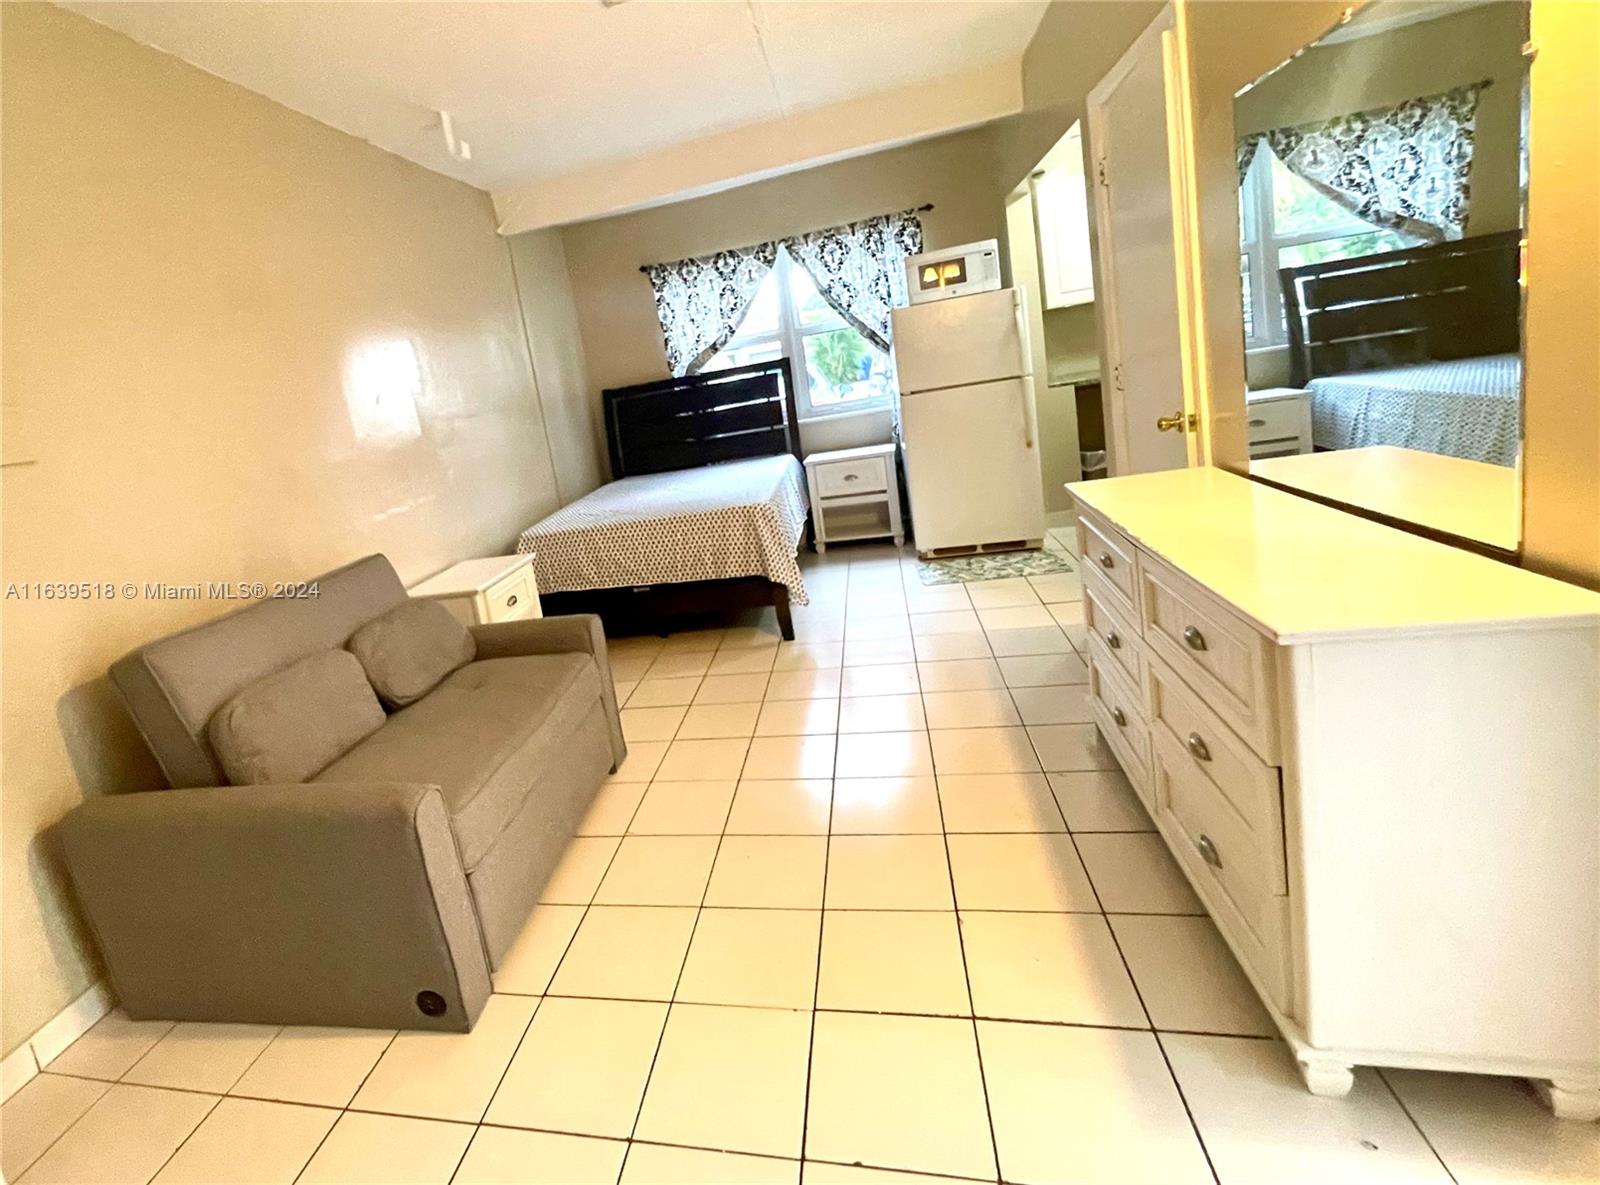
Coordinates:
(1417, 349)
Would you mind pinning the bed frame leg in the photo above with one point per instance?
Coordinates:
(780, 602)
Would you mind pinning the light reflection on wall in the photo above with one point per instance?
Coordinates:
(382, 380)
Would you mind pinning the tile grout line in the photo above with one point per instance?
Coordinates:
(1406, 1111)
(345, 1109)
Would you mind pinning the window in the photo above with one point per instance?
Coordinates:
(843, 371)
(1285, 222)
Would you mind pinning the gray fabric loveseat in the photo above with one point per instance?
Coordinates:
(380, 887)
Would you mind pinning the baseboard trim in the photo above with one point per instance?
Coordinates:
(53, 1037)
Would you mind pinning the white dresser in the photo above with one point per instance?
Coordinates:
(1377, 760)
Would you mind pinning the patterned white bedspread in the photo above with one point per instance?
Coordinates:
(741, 518)
(1470, 407)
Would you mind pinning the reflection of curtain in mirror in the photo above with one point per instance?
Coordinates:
(1403, 167)
(701, 301)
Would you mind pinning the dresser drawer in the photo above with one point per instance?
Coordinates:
(1218, 654)
(1249, 785)
(1107, 552)
(1119, 711)
(1115, 632)
(1219, 856)
(514, 598)
(864, 476)
(1275, 420)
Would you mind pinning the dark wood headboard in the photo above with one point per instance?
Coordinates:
(701, 419)
(1449, 300)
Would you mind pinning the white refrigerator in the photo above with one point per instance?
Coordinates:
(968, 427)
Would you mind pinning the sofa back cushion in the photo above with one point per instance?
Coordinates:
(411, 649)
(291, 725)
(173, 687)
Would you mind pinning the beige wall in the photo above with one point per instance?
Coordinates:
(616, 311)
(197, 285)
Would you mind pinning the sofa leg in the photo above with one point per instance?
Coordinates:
(780, 602)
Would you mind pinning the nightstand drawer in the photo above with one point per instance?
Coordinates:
(864, 476)
(514, 598)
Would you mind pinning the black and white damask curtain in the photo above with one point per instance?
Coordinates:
(1403, 167)
(858, 268)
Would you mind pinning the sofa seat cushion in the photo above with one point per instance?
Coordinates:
(484, 736)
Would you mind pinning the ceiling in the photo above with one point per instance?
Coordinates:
(541, 89)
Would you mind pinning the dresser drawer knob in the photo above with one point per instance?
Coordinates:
(1193, 638)
(852, 477)
(1114, 640)
(511, 601)
(1197, 746)
(1105, 560)
(1208, 851)
(1119, 717)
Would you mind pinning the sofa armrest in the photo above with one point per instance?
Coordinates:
(579, 633)
(317, 903)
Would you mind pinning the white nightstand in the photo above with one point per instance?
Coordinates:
(855, 494)
(478, 592)
(1278, 420)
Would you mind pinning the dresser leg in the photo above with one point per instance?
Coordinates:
(1325, 1077)
(1570, 1098)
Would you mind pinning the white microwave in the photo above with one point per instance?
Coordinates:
(955, 271)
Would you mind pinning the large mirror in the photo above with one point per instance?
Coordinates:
(1382, 184)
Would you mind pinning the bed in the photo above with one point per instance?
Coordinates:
(1416, 349)
(707, 511)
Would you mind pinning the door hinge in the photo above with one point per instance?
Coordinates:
(1100, 173)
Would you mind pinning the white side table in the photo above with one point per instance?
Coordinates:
(1278, 420)
(478, 592)
(855, 494)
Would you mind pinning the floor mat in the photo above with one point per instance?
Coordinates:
(996, 566)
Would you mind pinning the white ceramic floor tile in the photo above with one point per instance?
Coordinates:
(1071, 747)
(868, 652)
(111, 1047)
(1494, 1131)
(982, 751)
(1099, 800)
(1002, 593)
(202, 1056)
(1081, 1106)
(447, 1075)
(743, 661)
(798, 717)
(36, 1115)
(898, 1092)
(809, 656)
(886, 806)
(641, 763)
(888, 872)
(881, 713)
(663, 693)
(1043, 670)
(936, 598)
(316, 1065)
(950, 647)
(1066, 704)
(899, 678)
(1015, 617)
(249, 1142)
(704, 641)
(659, 870)
(651, 724)
(1039, 873)
(986, 708)
(1057, 587)
(656, 1164)
(732, 689)
(612, 808)
(820, 1172)
(1033, 641)
(579, 871)
(883, 755)
(763, 958)
(581, 1068)
(679, 664)
(531, 962)
(126, 1136)
(882, 961)
(790, 685)
(962, 674)
(958, 621)
(1048, 967)
(1246, 1097)
(626, 952)
(790, 757)
(1187, 976)
(729, 1078)
(781, 806)
(1134, 873)
(761, 635)
(628, 669)
(683, 808)
(719, 721)
(505, 1156)
(387, 1150)
(998, 802)
(769, 872)
(698, 761)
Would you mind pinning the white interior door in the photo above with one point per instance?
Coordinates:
(1131, 114)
